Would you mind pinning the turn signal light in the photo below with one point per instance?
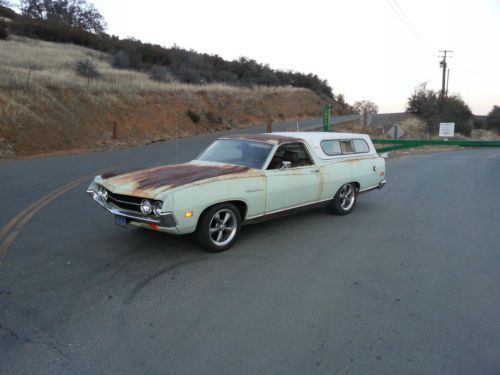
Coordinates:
(188, 214)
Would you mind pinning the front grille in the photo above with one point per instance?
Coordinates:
(126, 202)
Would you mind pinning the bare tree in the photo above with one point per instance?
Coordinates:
(365, 105)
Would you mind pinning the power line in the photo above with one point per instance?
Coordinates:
(406, 21)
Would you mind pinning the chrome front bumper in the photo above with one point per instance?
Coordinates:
(167, 220)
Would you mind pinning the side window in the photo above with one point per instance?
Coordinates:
(331, 147)
(295, 153)
(346, 147)
(360, 145)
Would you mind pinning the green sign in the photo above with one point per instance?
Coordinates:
(326, 117)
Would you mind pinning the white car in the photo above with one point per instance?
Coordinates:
(244, 179)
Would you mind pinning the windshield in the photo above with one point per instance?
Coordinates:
(232, 151)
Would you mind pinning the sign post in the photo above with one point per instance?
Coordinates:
(446, 129)
(326, 117)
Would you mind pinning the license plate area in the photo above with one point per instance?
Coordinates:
(121, 221)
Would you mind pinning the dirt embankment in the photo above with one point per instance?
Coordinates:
(47, 120)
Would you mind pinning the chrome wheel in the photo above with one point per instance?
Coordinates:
(347, 196)
(222, 227)
(344, 200)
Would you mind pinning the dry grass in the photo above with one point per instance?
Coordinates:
(51, 65)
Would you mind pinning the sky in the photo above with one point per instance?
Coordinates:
(377, 50)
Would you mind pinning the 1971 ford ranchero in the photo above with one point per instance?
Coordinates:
(244, 179)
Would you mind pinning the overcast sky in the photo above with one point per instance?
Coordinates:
(362, 47)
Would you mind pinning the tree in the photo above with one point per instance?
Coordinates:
(433, 109)
(5, 3)
(341, 100)
(493, 119)
(32, 8)
(74, 13)
(365, 105)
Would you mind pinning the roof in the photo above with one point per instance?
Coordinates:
(274, 138)
(282, 137)
(312, 138)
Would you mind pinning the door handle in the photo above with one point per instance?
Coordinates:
(314, 170)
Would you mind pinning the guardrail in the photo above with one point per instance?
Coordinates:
(398, 144)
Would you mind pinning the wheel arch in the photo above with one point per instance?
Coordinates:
(241, 205)
(356, 184)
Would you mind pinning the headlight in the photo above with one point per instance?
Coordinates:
(157, 208)
(146, 207)
(103, 193)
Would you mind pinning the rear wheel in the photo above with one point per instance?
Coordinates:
(218, 227)
(344, 200)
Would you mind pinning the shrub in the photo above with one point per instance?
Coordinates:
(86, 69)
(493, 119)
(478, 122)
(160, 74)
(120, 60)
(7, 12)
(3, 30)
(213, 118)
(193, 116)
(187, 74)
(432, 108)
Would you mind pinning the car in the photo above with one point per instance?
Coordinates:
(244, 179)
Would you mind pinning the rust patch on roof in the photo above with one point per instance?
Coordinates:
(267, 137)
(175, 175)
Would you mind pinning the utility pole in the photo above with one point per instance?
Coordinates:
(447, 81)
(444, 66)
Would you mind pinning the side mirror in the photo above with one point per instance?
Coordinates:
(285, 165)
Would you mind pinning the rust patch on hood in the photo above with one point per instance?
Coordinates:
(171, 176)
(267, 137)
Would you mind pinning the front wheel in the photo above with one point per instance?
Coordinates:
(218, 227)
(344, 200)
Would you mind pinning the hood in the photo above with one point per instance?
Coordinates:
(148, 183)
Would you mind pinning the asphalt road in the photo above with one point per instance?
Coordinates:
(406, 284)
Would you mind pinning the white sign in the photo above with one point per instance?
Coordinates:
(446, 129)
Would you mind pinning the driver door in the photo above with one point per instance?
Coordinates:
(295, 186)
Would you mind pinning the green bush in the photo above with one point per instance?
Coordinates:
(477, 122)
(493, 119)
(193, 116)
(433, 109)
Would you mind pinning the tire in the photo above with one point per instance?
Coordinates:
(345, 199)
(218, 227)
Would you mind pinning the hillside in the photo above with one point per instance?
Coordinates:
(45, 106)
(59, 21)
(62, 88)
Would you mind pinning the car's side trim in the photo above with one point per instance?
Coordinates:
(290, 210)
(285, 211)
(380, 185)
